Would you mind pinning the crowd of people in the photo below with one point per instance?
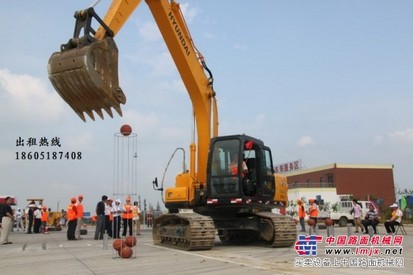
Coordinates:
(118, 219)
(371, 218)
(111, 217)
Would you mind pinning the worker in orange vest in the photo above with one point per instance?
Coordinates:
(72, 219)
(233, 166)
(79, 224)
(44, 219)
(127, 215)
(301, 214)
(313, 211)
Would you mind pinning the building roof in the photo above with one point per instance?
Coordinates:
(339, 165)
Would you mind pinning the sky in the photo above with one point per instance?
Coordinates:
(319, 81)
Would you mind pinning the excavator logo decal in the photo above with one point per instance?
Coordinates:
(179, 33)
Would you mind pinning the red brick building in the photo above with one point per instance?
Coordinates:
(361, 181)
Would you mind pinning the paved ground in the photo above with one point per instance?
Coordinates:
(53, 254)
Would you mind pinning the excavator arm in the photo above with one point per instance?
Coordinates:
(85, 71)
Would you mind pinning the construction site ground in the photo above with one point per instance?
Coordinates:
(52, 253)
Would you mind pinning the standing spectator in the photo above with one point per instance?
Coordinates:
(30, 215)
(63, 218)
(313, 211)
(116, 213)
(72, 219)
(127, 217)
(108, 217)
(356, 211)
(19, 219)
(37, 220)
(149, 218)
(44, 219)
(135, 217)
(100, 218)
(6, 222)
(1, 214)
(371, 219)
(79, 225)
(396, 218)
(24, 219)
(301, 214)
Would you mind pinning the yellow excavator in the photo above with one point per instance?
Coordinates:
(230, 186)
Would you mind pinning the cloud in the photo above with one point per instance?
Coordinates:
(305, 140)
(27, 97)
(378, 140)
(405, 136)
(239, 47)
(188, 12)
(150, 32)
(209, 35)
(397, 137)
(162, 64)
(151, 127)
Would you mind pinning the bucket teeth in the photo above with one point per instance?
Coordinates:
(87, 78)
(118, 109)
(90, 114)
(99, 112)
(109, 111)
(81, 115)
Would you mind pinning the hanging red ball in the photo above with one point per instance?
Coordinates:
(126, 130)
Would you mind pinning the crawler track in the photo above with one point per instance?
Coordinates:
(188, 231)
(284, 233)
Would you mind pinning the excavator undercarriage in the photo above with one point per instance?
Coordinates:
(192, 231)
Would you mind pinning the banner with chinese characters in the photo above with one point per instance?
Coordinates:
(288, 166)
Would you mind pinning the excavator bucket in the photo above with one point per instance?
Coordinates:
(86, 77)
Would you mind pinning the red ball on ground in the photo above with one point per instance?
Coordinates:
(328, 222)
(130, 241)
(125, 252)
(125, 130)
(118, 244)
(311, 222)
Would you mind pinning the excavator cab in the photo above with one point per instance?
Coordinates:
(85, 71)
(240, 169)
